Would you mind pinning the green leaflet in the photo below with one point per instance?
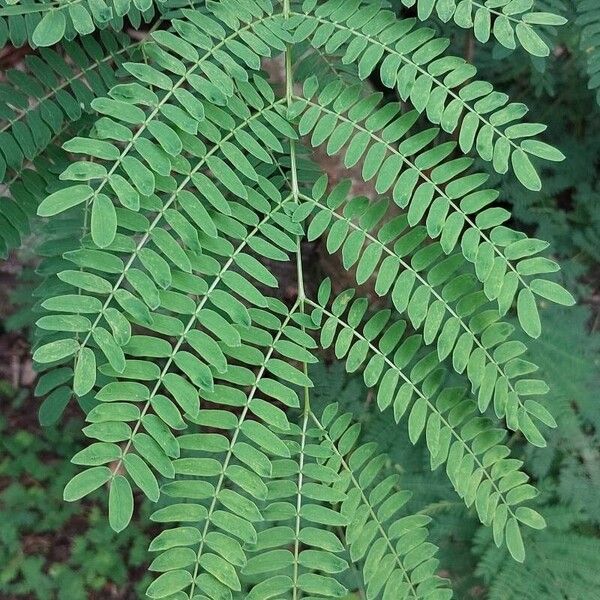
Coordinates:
(53, 406)
(528, 313)
(54, 351)
(85, 372)
(103, 221)
(86, 482)
(120, 503)
(50, 29)
(64, 199)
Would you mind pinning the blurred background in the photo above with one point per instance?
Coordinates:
(49, 549)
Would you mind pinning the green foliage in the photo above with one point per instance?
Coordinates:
(509, 23)
(589, 21)
(562, 564)
(38, 106)
(46, 23)
(171, 178)
(50, 549)
(411, 63)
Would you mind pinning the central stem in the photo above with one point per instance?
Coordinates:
(289, 90)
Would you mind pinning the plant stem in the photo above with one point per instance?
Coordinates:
(289, 92)
(289, 89)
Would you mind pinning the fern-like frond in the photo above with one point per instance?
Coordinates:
(26, 189)
(454, 205)
(54, 89)
(202, 338)
(437, 296)
(438, 85)
(271, 522)
(120, 254)
(209, 72)
(412, 381)
(47, 22)
(510, 23)
(391, 547)
(40, 104)
(235, 481)
(155, 269)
